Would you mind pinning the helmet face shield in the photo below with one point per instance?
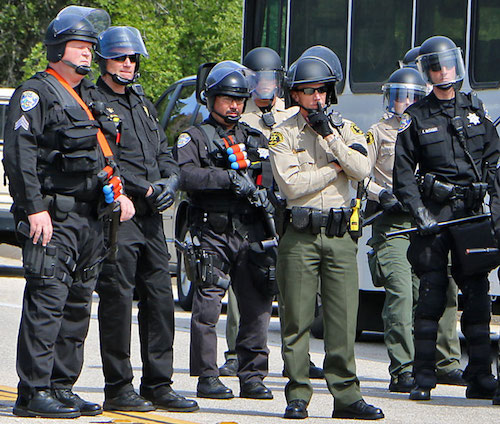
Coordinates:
(120, 41)
(228, 78)
(266, 85)
(398, 96)
(442, 68)
(71, 18)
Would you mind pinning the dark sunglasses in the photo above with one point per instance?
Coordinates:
(446, 63)
(132, 57)
(310, 90)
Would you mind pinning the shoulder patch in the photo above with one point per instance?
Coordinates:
(183, 139)
(404, 123)
(29, 99)
(275, 138)
(355, 129)
(369, 138)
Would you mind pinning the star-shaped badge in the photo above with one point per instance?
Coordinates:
(473, 119)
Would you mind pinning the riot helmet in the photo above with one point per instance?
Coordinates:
(74, 23)
(316, 65)
(266, 82)
(440, 54)
(227, 78)
(405, 86)
(410, 58)
(119, 42)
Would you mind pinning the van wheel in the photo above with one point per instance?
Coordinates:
(185, 289)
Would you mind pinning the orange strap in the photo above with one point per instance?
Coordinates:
(103, 143)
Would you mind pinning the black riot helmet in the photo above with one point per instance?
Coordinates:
(227, 78)
(74, 23)
(410, 58)
(439, 54)
(267, 80)
(317, 64)
(118, 42)
(405, 86)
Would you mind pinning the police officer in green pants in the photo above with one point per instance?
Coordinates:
(314, 163)
(388, 263)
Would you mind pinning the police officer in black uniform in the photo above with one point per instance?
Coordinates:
(450, 138)
(151, 177)
(52, 158)
(224, 224)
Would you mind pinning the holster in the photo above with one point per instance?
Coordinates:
(300, 218)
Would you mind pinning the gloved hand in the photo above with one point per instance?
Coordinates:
(389, 202)
(320, 122)
(426, 223)
(163, 195)
(264, 199)
(241, 186)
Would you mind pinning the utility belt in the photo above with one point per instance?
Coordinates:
(472, 195)
(60, 205)
(221, 221)
(310, 220)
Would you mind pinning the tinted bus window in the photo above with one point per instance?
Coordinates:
(265, 25)
(483, 69)
(381, 35)
(444, 17)
(320, 22)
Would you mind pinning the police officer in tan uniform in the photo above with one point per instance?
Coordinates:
(389, 265)
(314, 161)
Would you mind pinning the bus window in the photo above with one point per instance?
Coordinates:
(444, 17)
(483, 67)
(265, 25)
(380, 37)
(320, 22)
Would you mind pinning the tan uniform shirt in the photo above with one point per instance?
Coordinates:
(302, 163)
(381, 140)
(253, 115)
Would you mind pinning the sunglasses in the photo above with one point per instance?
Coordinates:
(444, 63)
(132, 57)
(311, 90)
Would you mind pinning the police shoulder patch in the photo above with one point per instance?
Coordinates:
(404, 123)
(275, 138)
(183, 139)
(29, 99)
(355, 129)
(369, 138)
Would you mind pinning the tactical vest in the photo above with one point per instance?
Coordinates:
(68, 153)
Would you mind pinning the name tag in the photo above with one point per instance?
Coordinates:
(429, 130)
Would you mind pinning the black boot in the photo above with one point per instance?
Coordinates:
(212, 388)
(402, 383)
(44, 405)
(255, 390)
(167, 398)
(128, 401)
(68, 398)
(453, 378)
(359, 410)
(420, 393)
(481, 387)
(296, 410)
(229, 369)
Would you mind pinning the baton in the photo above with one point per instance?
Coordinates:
(481, 250)
(441, 224)
(371, 219)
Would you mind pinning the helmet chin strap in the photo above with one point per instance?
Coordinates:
(228, 119)
(123, 81)
(79, 69)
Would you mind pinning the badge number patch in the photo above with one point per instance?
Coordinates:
(29, 99)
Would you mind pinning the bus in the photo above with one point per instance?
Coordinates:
(370, 37)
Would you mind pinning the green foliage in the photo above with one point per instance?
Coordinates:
(179, 35)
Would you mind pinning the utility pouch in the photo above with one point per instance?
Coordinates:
(343, 221)
(316, 221)
(331, 225)
(262, 265)
(471, 235)
(209, 277)
(475, 195)
(79, 161)
(441, 192)
(39, 261)
(375, 268)
(300, 218)
(61, 206)
(192, 263)
(218, 221)
(427, 184)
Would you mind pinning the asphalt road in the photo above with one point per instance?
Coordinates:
(448, 404)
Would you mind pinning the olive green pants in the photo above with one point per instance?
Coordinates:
(304, 261)
(394, 273)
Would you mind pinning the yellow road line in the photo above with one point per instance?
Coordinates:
(10, 393)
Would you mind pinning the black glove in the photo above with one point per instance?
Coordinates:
(320, 123)
(264, 200)
(389, 202)
(163, 195)
(241, 186)
(426, 223)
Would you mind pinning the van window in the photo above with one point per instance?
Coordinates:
(381, 36)
(485, 42)
(181, 116)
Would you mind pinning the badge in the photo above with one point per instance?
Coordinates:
(355, 129)
(404, 123)
(22, 122)
(369, 138)
(184, 138)
(29, 100)
(473, 119)
(146, 110)
(275, 138)
(263, 153)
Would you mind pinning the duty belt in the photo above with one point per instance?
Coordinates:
(334, 221)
